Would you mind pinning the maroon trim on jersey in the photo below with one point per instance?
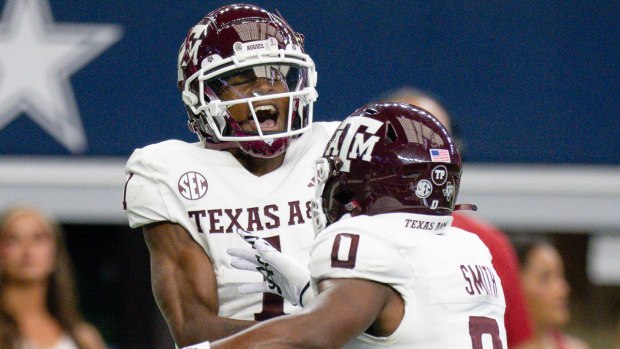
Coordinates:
(125, 192)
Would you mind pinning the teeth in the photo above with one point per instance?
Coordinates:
(266, 108)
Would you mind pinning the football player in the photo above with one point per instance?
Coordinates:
(516, 318)
(248, 86)
(388, 267)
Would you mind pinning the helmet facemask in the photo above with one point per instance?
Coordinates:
(258, 99)
(324, 170)
(332, 200)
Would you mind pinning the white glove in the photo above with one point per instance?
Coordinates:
(203, 345)
(283, 275)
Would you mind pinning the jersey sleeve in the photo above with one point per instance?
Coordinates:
(363, 251)
(144, 202)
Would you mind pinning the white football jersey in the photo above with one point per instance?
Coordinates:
(453, 296)
(211, 194)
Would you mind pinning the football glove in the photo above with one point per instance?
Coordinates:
(282, 274)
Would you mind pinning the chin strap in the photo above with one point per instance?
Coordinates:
(463, 207)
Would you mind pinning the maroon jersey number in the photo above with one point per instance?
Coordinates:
(273, 304)
(344, 250)
(479, 325)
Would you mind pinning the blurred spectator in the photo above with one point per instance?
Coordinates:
(618, 336)
(546, 292)
(516, 319)
(38, 300)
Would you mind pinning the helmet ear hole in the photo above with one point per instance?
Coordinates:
(343, 197)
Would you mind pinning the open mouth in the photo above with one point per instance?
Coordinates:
(267, 116)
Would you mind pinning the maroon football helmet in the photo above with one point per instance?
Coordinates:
(246, 81)
(387, 157)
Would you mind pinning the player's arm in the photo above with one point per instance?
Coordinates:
(184, 285)
(344, 309)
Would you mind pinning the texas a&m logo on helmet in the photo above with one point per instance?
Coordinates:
(355, 138)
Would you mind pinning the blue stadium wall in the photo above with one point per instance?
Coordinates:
(527, 82)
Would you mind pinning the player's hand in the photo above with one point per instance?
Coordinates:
(282, 274)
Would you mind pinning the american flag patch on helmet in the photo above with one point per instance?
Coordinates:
(440, 155)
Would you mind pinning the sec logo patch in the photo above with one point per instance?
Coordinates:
(192, 185)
